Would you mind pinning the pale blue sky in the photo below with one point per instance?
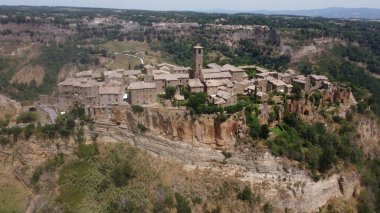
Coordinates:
(201, 4)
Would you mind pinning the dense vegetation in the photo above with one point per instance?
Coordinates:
(64, 127)
(340, 63)
(314, 145)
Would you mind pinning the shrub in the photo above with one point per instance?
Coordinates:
(268, 208)
(5, 140)
(36, 176)
(28, 131)
(4, 123)
(86, 151)
(137, 109)
(246, 194)
(16, 131)
(54, 162)
(227, 154)
(196, 200)
(222, 117)
(122, 174)
(142, 128)
(27, 117)
(102, 186)
(182, 204)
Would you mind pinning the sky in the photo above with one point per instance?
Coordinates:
(201, 5)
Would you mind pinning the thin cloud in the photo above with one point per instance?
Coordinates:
(202, 5)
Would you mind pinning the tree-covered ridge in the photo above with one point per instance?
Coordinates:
(341, 64)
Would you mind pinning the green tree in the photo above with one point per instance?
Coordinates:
(170, 92)
(196, 100)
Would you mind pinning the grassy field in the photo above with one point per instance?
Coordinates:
(143, 48)
(133, 46)
(124, 62)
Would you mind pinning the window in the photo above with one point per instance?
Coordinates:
(199, 51)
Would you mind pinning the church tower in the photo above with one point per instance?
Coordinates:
(198, 62)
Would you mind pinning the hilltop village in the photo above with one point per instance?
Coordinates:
(99, 90)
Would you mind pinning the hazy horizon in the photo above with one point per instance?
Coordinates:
(201, 5)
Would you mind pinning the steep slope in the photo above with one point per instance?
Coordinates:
(8, 107)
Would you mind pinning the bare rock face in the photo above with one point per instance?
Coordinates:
(8, 107)
(180, 125)
(369, 135)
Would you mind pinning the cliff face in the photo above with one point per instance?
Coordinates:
(179, 125)
(277, 181)
(309, 110)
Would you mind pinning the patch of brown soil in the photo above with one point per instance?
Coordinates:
(29, 74)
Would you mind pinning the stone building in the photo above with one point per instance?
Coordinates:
(142, 93)
(196, 86)
(110, 95)
(237, 74)
(212, 86)
(89, 91)
(223, 98)
(243, 85)
(317, 80)
(66, 87)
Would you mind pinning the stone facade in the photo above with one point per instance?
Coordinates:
(142, 93)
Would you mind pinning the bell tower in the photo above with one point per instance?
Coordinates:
(198, 62)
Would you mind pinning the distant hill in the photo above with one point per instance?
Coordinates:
(332, 12)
